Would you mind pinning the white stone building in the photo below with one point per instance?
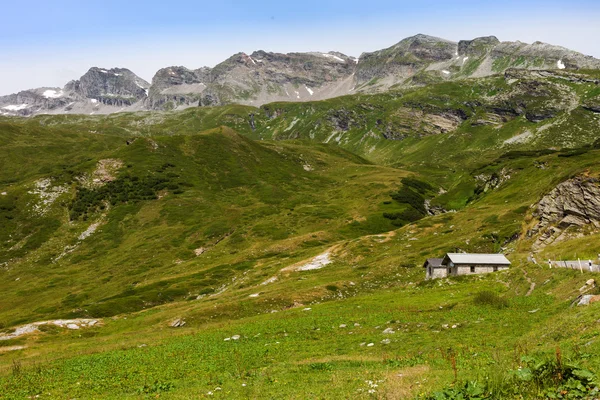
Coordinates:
(454, 264)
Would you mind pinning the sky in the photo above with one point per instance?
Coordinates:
(47, 43)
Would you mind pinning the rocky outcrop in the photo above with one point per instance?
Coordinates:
(531, 96)
(592, 104)
(487, 182)
(574, 203)
(421, 122)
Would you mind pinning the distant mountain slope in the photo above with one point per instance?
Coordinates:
(264, 77)
(99, 90)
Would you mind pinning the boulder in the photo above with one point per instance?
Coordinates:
(585, 300)
(177, 323)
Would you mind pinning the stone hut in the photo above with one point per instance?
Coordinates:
(434, 268)
(454, 264)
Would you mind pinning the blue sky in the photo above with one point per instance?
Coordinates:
(47, 43)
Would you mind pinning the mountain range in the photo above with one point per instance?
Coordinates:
(264, 77)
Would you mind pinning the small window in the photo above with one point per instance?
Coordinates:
(449, 271)
(495, 269)
(472, 270)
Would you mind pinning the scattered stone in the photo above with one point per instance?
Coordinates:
(318, 262)
(3, 193)
(363, 344)
(307, 309)
(254, 295)
(386, 341)
(235, 337)
(454, 326)
(388, 331)
(199, 251)
(356, 324)
(445, 326)
(33, 327)
(585, 300)
(227, 339)
(177, 323)
(533, 311)
(590, 282)
(371, 345)
(342, 325)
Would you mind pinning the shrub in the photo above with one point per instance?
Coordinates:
(488, 298)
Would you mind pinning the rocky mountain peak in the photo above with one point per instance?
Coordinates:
(478, 46)
(115, 86)
(261, 77)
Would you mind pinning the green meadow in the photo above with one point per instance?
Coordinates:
(137, 220)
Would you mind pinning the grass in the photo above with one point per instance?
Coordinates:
(206, 216)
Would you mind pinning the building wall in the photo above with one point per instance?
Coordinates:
(442, 272)
(438, 273)
(479, 269)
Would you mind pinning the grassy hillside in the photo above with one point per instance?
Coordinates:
(290, 240)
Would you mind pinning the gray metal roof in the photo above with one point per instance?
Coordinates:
(465, 258)
(434, 262)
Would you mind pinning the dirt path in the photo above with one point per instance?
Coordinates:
(384, 237)
(531, 284)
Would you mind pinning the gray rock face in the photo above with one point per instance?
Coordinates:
(98, 91)
(177, 86)
(115, 87)
(29, 102)
(573, 203)
(264, 77)
(253, 79)
(405, 58)
(478, 46)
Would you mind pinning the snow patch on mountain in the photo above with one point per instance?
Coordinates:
(52, 94)
(13, 107)
(333, 57)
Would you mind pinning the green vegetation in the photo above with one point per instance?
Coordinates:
(223, 225)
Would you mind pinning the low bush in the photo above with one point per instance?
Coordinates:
(487, 298)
